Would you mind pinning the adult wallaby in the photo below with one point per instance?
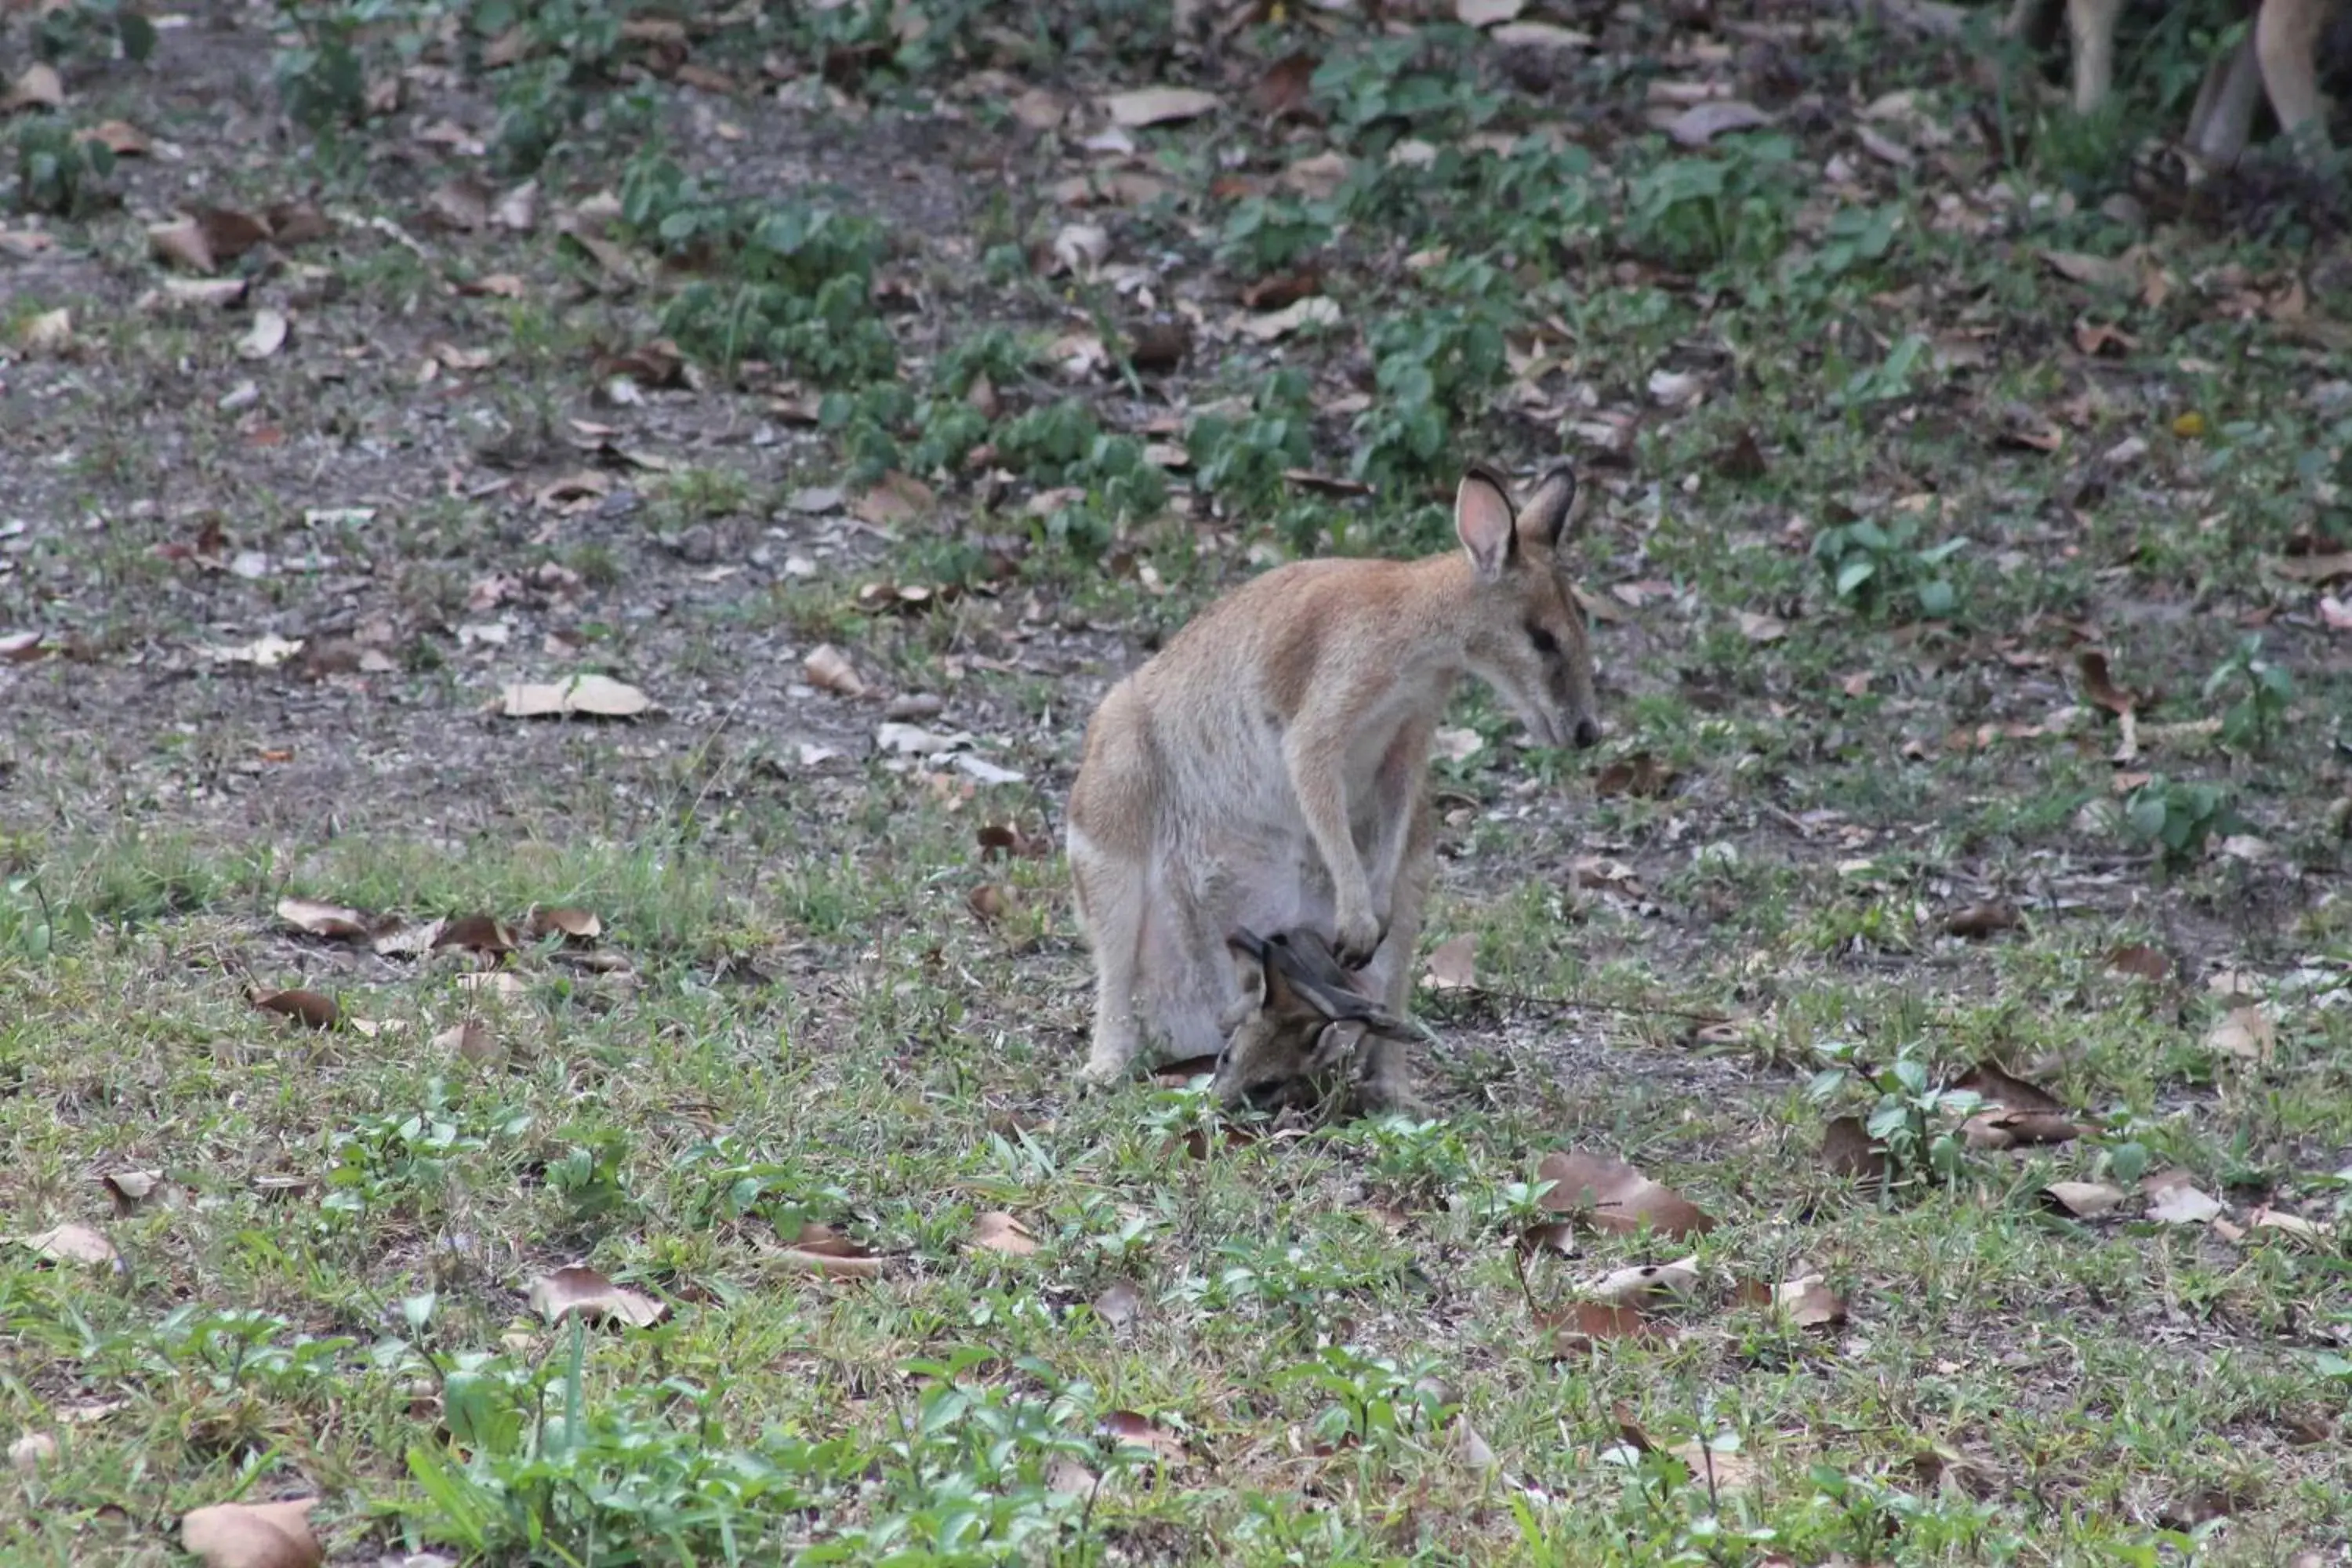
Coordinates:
(1267, 770)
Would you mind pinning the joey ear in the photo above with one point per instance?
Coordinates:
(1545, 521)
(1250, 965)
(1483, 521)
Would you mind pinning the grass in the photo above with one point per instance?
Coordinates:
(823, 993)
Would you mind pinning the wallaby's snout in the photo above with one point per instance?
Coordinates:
(1588, 733)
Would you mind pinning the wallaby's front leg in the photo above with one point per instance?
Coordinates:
(1399, 787)
(1316, 758)
(1387, 1081)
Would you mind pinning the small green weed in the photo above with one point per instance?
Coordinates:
(2177, 818)
(59, 170)
(2263, 691)
(1874, 568)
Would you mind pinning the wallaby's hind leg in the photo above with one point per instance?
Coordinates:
(2286, 41)
(1112, 824)
(2092, 25)
(1110, 902)
(2224, 118)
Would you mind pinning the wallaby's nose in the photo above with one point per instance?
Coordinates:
(1587, 735)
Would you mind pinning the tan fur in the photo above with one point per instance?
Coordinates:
(2279, 57)
(1267, 769)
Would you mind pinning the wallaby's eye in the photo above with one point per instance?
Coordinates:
(1546, 643)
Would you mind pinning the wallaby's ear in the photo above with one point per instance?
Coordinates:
(1251, 967)
(1483, 521)
(1545, 521)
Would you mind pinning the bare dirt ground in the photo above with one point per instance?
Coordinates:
(1948, 450)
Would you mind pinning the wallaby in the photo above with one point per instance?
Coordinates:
(1267, 771)
(2279, 57)
(1298, 1025)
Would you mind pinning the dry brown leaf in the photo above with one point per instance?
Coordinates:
(503, 983)
(1286, 86)
(49, 332)
(594, 696)
(2246, 1033)
(1715, 1471)
(2172, 1200)
(1586, 1324)
(133, 1190)
(181, 243)
(1158, 106)
(519, 209)
(1000, 1232)
(822, 1250)
(72, 1243)
(2279, 1222)
(265, 337)
(1808, 1302)
(1624, 1285)
(1283, 289)
(2084, 1200)
(1617, 1199)
(119, 137)
(1131, 1429)
(331, 920)
(573, 924)
(1314, 310)
(253, 1534)
(471, 1040)
(1453, 965)
(991, 903)
(460, 205)
(895, 498)
(481, 933)
(1980, 921)
(1997, 1086)
(1120, 1304)
(2142, 962)
(1079, 250)
(37, 86)
(1541, 36)
(1848, 1150)
(2005, 1129)
(307, 1007)
(1639, 773)
(2098, 685)
(30, 1451)
(2318, 569)
(2101, 272)
(1703, 122)
(579, 1289)
(1761, 629)
(828, 670)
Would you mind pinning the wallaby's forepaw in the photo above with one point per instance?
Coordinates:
(1102, 1073)
(1358, 938)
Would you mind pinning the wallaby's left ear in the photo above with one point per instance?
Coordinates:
(1483, 521)
(1549, 512)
